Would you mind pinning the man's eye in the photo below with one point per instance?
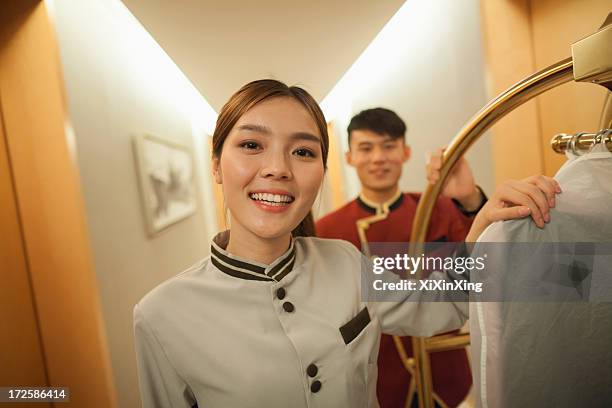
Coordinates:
(304, 153)
(250, 145)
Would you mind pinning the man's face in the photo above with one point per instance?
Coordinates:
(377, 158)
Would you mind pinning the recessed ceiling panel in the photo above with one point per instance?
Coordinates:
(221, 45)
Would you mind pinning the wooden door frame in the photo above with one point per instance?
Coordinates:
(50, 207)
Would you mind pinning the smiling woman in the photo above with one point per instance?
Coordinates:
(296, 117)
(266, 134)
(274, 317)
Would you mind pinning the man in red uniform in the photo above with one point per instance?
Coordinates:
(382, 213)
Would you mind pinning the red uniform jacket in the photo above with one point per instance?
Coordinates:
(451, 373)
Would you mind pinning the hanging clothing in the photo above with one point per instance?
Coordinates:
(450, 369)
(554, 354)
(229, 332)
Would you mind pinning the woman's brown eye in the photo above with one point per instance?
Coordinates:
(304, 153)
(249, 145)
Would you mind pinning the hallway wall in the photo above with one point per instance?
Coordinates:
(119, 84)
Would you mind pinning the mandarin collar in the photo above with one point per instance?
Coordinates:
(379, 208)
(243, 268)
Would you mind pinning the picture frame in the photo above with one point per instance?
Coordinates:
(166, 180)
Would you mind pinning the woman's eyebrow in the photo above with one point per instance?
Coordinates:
(306, 136)
(267, 131)
(255, 128)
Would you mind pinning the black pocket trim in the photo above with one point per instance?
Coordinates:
(443, 238)
(355, 326)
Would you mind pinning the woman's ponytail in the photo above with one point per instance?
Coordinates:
(306, 228)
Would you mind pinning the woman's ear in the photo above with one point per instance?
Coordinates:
(216, 170)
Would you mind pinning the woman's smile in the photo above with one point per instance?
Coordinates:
(274, 201)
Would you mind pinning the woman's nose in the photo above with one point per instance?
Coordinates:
(277, 167)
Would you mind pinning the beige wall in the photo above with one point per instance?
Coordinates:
(521, 37)
(120, 83)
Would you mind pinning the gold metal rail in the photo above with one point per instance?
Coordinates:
(582, 142)
(499, 107)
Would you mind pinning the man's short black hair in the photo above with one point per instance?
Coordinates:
(378, 120)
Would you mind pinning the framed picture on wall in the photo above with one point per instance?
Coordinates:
(166, 178)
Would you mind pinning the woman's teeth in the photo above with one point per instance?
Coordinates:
(272, 199)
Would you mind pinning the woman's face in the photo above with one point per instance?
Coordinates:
(271, 168)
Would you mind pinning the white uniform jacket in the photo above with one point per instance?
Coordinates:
(228, 332)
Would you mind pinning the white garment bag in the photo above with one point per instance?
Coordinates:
(552, 354)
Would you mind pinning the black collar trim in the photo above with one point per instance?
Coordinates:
(245, 269)
(372, 208)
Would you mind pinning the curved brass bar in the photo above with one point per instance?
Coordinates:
(506, 102)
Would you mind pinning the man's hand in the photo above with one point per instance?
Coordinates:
(460, 183)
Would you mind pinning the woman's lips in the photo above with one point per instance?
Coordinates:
(273, 201)
(272, 208)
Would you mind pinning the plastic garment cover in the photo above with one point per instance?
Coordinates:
(552, 354)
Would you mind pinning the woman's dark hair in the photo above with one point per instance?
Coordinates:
(378, 120)
(258, 91)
